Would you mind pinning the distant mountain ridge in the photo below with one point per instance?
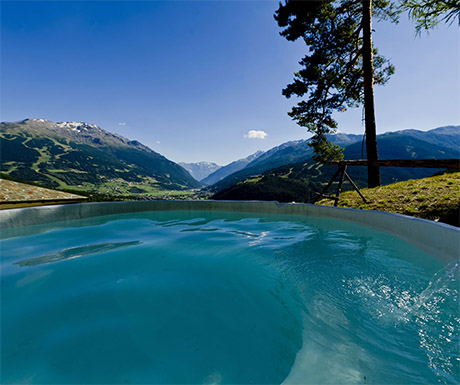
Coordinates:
(445, 136)
(439, 143)
(230, 168)
(284, 154)
(200, 170)
(84, 156)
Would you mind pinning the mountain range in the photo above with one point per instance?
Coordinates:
(289, 152)
(83, 156)
(286, 153)
(230, 168)
(200, 170)
(299, 181)
(439, 143)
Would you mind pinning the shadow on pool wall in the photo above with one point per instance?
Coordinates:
(437, 239)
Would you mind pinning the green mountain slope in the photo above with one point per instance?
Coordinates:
(285, 154)
(230, 168)
(83, 156)
(296, 182)
(299, 181)
(440, 143)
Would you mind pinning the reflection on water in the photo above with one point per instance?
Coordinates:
(74, 252)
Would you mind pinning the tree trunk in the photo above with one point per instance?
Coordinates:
(373, 172)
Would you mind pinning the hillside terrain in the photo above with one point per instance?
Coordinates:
(84, 157)
(230, 168)
(14, 194)
(285, 154)
(296, 182)
(270, 167)
(436, 198)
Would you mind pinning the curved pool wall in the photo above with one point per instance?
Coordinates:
(437, 239)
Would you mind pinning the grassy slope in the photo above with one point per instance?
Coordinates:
(110, 193)
(436, 198)
(294, 182)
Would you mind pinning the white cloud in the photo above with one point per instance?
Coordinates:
(157, 142)
(253, 134)
(122, 124)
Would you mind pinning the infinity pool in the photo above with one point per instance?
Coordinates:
(235, 298)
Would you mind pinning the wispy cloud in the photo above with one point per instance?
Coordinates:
(253, 134)
(122, 124)
(157, 142)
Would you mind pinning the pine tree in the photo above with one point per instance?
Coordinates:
(428, 13)
(340, 70)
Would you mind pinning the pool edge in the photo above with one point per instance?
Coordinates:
(437, 239)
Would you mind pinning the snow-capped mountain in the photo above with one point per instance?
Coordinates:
(200, 170)
(79, 155)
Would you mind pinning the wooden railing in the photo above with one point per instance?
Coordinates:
(419, 163)
(343, 164)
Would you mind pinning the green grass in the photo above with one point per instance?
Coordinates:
(435, 198)
(253, 180)
(109, 193)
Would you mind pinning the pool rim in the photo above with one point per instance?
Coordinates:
(440, 240)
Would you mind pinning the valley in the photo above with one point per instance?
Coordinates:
(83, 158)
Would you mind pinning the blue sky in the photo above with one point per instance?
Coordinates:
(191, 79)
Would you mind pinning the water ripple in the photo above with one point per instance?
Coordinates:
(74, 252)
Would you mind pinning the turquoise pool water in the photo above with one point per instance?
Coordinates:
(210, 298)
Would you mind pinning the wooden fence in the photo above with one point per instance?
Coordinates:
(343, 164)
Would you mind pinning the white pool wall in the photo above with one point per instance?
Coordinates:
(437, 239)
